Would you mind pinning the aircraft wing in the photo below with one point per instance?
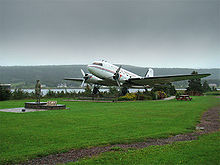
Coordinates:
(157, 80)
(98, 82)
(74, 79)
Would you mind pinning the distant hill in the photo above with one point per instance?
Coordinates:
(52, 75)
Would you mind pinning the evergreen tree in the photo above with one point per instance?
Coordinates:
(195, 86)
(113, 91)
(206, 87)
(5, 94)
(172, 90)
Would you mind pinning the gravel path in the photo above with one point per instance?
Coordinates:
(209, 123)
(170, 98)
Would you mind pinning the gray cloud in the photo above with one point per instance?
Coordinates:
(145, 33)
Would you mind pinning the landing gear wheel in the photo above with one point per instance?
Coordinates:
(124, 91)
(95, 90)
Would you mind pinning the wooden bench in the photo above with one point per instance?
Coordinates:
(184, 97)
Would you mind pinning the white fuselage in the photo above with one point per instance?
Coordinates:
(105, 70)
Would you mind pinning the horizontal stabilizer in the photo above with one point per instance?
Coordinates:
(150, 73)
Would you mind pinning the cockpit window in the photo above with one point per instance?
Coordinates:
(97, 63)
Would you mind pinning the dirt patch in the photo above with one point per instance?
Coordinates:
(209, 123)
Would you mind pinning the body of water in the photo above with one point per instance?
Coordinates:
(45, 91)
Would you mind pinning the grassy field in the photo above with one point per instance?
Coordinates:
(206, 150)
(28, 135)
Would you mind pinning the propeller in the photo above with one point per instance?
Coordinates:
(116, 76)
(85, 77)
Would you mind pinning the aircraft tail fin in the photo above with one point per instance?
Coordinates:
(150, 73)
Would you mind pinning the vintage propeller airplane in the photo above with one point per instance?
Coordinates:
(103, 73)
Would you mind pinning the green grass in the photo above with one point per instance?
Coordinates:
(206, 150)
(28, 135)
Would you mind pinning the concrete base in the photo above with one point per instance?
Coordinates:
(34, 105)
(43, 105)
(23, 110)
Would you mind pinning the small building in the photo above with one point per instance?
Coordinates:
(213, 86)
(62, 85)
(43, 86)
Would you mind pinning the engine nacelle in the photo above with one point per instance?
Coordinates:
(92, 79)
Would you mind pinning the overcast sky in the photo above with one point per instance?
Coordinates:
(150, 33)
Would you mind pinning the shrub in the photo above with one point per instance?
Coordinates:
(148, 98)
(20, 94)
(161, 94)
(146, 95)
(178, 95)
(50, 94)
(5, 94)
(153, 95)
(168, 89)
(194, 93)
(113, 91)
(143, 96)
(214, 93)
(127, 97)
(88, 91)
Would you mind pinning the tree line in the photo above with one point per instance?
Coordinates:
(195, 88)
